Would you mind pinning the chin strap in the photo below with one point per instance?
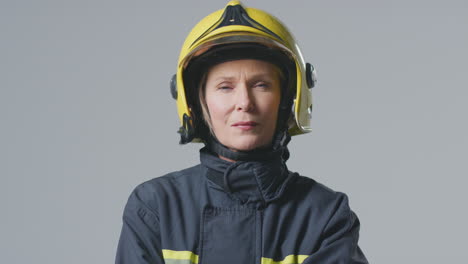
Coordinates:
(281, 141)
(278, 148)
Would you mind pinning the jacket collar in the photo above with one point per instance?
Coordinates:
(248, 181)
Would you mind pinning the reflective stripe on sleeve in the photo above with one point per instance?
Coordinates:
(291, 259)
(179, 257)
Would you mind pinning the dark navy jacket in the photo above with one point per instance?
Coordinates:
(220, 212)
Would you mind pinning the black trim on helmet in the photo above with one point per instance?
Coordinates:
(236, 15)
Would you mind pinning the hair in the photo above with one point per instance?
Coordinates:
(205, 114)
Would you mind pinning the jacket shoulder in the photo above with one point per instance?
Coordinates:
(151, 192)
(175, 177)
(317, 194)
(314, 186)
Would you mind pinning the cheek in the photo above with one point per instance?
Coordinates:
(217, 108)
(270, 109)
(273, 117)
(270, 106)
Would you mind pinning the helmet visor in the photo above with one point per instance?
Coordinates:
(234, 38)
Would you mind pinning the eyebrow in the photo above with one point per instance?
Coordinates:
(255, 76)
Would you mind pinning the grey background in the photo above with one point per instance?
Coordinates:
(86, 115)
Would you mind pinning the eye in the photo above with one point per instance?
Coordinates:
(225, 88)
(261, 85)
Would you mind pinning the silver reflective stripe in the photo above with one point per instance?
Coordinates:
(177, 261)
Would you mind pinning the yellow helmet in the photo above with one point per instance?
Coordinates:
(234, 26)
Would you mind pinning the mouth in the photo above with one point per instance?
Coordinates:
(248, 125)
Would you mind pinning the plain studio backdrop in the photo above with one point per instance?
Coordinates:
(86, 115)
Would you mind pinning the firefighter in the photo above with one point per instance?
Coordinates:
(242, 89)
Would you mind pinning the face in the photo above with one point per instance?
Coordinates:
(243, 98)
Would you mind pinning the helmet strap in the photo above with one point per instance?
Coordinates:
(278, 148)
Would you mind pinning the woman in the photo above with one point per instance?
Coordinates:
(239, 75)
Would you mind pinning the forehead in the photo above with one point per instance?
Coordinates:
(247, 67)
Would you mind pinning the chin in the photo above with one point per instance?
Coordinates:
(246, 144)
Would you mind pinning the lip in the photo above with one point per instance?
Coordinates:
(245, 125)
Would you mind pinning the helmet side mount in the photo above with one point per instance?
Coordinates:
(186, 131)
(311, 75)
(173, 86)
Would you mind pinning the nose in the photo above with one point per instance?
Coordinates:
(245, 101)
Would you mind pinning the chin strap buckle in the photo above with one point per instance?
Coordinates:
(284, 140)
(186, 131)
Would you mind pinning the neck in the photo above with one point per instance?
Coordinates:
(227, 154)
(226, 159)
